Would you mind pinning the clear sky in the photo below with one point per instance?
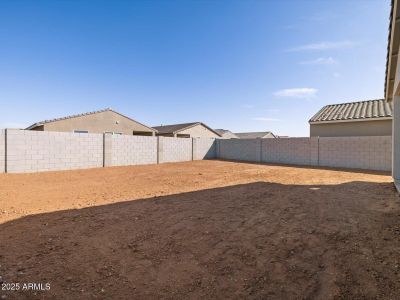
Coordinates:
(238, 65)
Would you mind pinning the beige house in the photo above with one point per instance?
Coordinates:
(196, 129)
(101, 121)
(256, 135)
(226, 134)
(362, 118)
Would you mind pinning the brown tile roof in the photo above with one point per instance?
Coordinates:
(354, 111)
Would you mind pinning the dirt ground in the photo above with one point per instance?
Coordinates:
(203, 229)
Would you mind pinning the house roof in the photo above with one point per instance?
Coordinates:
(253, 135)
(82, 115)
(221, 132)
(354, 111)
(175, 128)
(392, 49)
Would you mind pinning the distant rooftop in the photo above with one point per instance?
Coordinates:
(222, 131)
(174, 128)
(253, 135)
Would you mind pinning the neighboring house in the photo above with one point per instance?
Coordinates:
(255, 135)
(101, 121)
(362, 118)
(196, 129)
(392, 86)
(226, 134)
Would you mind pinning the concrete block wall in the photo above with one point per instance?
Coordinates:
(174, 149)
(367, 152)
(35, 151)
(287, 151)
(204, 148)
(372, 153)
(133, 150)
(2, 150)
(107, 150)
(314, 149)
(244, 149)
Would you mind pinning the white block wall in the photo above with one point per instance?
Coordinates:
(373, 152)
(174, 149)
(288, 151)
(34, 151)
(2, 151)
(204, 148)
(240, 149)
(133, 150)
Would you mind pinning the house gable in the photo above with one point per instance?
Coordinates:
(199, 130)
(96, 122)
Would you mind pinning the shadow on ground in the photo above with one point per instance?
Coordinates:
(349, 170)
(255, 241)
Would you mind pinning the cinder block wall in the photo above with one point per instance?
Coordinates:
(2, 151)
(34, 151)
(174, 149)
(204, 148)
(133, 150)
(235, 149)
(373, 152)
(288, 151)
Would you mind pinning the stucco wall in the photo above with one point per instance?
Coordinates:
(34, 151)
(97, 123)
(2, 151)
(360, 128)
(199, 131)
(372, 153)
(204, 148)
(133, 150)
(174, 149)
(269, 136)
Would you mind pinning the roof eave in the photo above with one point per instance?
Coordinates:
(350, 120)
(34, 125)
(195, 124)
(392, 54)
(89, 113)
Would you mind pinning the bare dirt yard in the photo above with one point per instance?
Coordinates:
(201, 230)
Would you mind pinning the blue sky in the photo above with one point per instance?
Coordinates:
(238, 65)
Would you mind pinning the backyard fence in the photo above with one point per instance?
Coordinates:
(35, 151)
(366, 152)
(24, 151)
